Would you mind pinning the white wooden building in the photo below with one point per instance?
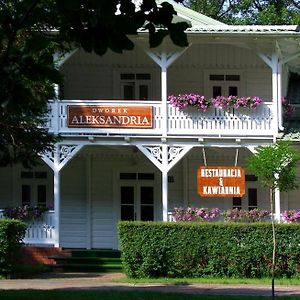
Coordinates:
(100, 175)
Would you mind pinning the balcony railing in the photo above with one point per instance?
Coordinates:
(214, 122)
(40, 232)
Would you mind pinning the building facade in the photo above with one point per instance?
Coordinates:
(127, 154)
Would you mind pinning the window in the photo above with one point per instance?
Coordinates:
(223, 84)
(250, 177)
(135, 86)
(293, 94)
(237, 202)
(41, 195)
(252, 198)
(26, 194)
(34, 188)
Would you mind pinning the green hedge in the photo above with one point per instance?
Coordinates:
(157, 249)
(11, 234)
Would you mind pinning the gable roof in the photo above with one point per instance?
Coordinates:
(189, 15)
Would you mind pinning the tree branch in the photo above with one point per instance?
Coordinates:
(220, 7)
(12, 37)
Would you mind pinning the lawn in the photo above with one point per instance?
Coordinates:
(116, 295)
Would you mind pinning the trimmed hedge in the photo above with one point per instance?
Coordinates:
(157, 249)
(11, 234)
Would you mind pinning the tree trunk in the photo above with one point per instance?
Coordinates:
(272, 192)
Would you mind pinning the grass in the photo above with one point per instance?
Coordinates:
(116, 295)
(213, 280)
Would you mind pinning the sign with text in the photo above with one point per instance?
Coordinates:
(221, 181)
(109, 116)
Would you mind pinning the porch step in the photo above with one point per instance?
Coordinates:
(89, 261)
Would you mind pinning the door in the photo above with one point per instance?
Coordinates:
(137, 202)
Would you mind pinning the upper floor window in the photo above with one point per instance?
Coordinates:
(135, 86)
(223, 84)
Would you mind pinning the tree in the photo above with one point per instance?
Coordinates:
(265, 12)
(275, 167)
(32, 30)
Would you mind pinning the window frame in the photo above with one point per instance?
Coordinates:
(34, 184)
(225, 84)
(119, 83)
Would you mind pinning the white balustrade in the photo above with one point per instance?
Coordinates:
(58, 117)
(40, 232)
(214, 122)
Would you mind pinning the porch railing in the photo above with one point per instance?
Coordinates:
(40, 231)
(214, 122)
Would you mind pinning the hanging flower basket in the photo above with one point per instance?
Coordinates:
(199, 102)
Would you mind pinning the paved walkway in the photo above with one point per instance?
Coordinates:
(95, 281)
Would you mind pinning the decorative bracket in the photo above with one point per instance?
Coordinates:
(165, 59)
(61, 155)
(164, 157)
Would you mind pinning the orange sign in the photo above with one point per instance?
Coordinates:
(109, 116)
(221, 181)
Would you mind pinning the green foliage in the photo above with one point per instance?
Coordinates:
(264, 12)
(157, 249)
(11, 234)
(275, 166)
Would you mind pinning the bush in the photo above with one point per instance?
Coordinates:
(25, 213)
(188, 249)
(11, 234)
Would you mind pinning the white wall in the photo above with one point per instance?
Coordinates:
(187, 74)
(73, 204)
(88, 76)
(102, 216)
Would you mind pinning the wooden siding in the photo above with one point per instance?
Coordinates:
(90, 77)
(102, 212)
(176, 192)
(259, 83)
(73, 205)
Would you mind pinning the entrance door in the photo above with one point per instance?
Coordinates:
(137, 201)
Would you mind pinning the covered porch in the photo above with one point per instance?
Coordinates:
(108, 183)
(103, 184)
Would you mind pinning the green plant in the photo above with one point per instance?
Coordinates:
(11, 234)
(208, 249)
(201, 103)
(275, 167)
(25, 213)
